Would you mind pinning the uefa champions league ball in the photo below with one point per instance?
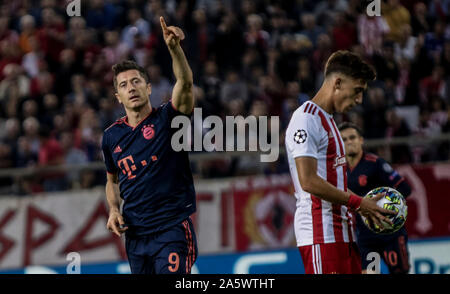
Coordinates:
(393, 200)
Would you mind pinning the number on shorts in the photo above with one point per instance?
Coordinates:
(391, 257)
(174, 261)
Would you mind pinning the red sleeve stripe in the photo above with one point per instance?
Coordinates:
(307, 108)
(314, 110)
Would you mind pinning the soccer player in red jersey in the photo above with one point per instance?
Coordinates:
(316, 155)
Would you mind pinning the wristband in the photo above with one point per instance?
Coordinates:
(354, 202)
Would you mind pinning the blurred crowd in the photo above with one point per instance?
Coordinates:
(249, 57)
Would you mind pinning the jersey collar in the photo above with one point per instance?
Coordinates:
(125, 119)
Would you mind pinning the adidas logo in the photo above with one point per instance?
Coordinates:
(118, 149)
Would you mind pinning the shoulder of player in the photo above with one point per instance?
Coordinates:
(309, 108)
(371, 157)
(307, 111)
(117, 123)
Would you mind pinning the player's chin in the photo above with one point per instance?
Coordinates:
(348, 108)
(136, 105)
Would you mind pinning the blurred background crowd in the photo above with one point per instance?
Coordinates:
(249, 57)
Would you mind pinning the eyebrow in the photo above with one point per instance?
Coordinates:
(124, 81)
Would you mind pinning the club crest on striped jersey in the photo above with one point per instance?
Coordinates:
(300, 136)
(148, 132)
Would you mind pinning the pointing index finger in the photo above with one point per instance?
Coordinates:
(163, 23)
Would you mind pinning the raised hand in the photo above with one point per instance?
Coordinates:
(172, 35)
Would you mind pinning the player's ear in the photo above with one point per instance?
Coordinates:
(117, 97)
(338, 83)
(149, 88)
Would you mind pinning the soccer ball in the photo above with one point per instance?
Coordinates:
(393, 200)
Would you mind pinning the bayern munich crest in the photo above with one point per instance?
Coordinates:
(300, 136)
(148, 132)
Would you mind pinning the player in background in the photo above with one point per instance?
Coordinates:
(154, 181)
(316, 156)
(365, 172)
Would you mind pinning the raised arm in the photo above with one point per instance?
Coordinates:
(182, 95)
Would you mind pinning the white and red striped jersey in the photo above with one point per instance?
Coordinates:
(312, 132)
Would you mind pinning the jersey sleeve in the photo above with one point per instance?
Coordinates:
(169, 111)
(107, 156)
(303, 136)
(392, 178)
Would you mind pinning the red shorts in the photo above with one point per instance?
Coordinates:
(331, 258)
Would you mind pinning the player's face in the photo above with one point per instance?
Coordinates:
(349, 93)
(132, 90)
(353, 142)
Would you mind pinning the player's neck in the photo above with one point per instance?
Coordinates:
(134, 117)
(353, 160)
(323, 100)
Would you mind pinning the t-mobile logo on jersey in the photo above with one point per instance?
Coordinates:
(126, 168)
(129, 168)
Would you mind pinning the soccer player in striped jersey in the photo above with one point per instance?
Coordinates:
(365, 172)
(316, 155)
(154, 181)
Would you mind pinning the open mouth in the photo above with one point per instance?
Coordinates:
(134, 97)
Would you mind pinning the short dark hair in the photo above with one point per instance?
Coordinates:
(349, 64)
(128, 65)
(350, 125)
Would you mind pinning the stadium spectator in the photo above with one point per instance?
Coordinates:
(397, 127)
(50, 153)
(14, 85)
(233, 88)
(161, 87)
(344, 32)
(376, 106)
(434, 41)
(371, 33)
(255, 36)
(406, 45)
(420, 22)
(211, 84)
(52, 36)
(28, 30)
(33, 62)
(310, 27)
(137, 25)
(396, 16)
(433, 85)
